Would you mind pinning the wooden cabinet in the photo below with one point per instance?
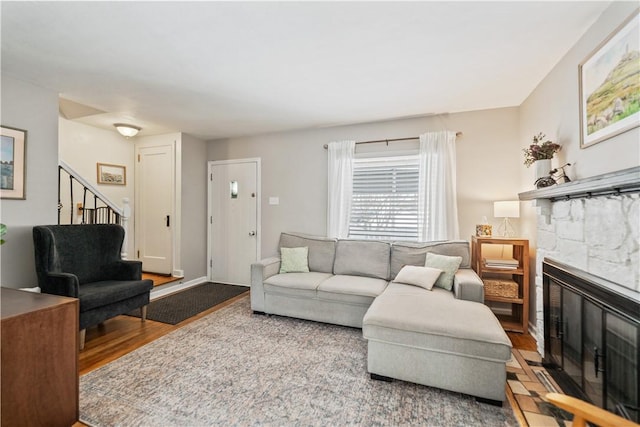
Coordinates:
(516, 275)
(39, 353)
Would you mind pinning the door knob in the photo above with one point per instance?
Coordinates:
(252, 233)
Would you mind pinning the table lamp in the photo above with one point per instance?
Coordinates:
(506, 209)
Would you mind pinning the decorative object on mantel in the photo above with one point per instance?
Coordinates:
(609, 85)
(556, 176)
(540, 153)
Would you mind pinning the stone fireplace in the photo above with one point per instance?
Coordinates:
(592, 225)
(588, 287)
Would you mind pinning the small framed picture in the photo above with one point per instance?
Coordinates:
(112, 174)
(12, 163)
(483, 230)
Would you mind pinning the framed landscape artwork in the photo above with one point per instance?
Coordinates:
(112, 174)
(609, 85)
(12, 163)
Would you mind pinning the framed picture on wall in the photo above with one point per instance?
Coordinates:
(609, 85)
(12, 163)
(112, 174)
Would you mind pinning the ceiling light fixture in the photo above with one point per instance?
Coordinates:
(127, 130)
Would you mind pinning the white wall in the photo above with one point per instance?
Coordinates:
(35, 110)
(82, 147)
(194, 207)
(553, 108)
(294, 167)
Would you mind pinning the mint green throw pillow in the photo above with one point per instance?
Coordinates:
(294, 260)
(448, 264)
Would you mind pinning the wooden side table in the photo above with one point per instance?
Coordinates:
(518, 321)
(39, 384)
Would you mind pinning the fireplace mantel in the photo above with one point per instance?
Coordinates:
(624, 181)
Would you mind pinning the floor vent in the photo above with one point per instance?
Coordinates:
(543, 377)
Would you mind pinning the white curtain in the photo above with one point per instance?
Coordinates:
(438, 207)
(340, 187)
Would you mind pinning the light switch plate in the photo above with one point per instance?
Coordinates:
(274, 200)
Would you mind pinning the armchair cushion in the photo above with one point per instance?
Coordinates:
(98, 294)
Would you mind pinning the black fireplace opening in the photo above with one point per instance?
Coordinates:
(592, 338)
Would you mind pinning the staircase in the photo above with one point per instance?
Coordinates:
(79, 202)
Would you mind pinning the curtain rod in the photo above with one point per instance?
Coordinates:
(389, 140)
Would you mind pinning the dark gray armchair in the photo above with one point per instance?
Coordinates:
(84, 262)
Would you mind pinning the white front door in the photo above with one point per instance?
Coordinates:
(234, 233)
(154, 207)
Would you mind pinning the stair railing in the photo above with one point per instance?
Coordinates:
(102, 211)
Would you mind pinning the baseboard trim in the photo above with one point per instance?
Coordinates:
(172, 287)
(230, 283)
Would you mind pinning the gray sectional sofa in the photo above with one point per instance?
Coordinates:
(440, 338)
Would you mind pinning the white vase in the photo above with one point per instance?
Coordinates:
(542, 167)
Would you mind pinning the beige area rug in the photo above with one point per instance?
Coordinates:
(236, 368)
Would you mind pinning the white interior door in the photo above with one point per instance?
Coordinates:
(154, 208)
(234, 233)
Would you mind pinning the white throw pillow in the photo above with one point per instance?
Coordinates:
(425, 277)
(294, 260)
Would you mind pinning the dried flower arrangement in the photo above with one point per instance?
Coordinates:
(540, 149)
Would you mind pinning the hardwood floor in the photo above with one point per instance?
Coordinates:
(117, 337)
(159, 279)
(522, 341)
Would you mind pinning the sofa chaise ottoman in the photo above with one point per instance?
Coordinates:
(433, 339)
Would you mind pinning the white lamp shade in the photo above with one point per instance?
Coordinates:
(506, 209)
(127, 130)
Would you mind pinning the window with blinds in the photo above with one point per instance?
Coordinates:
(385, 198)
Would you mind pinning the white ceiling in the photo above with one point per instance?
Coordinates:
(224, 69)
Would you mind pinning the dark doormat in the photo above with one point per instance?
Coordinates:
(182, 305)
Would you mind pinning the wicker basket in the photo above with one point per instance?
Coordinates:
(500, 288)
